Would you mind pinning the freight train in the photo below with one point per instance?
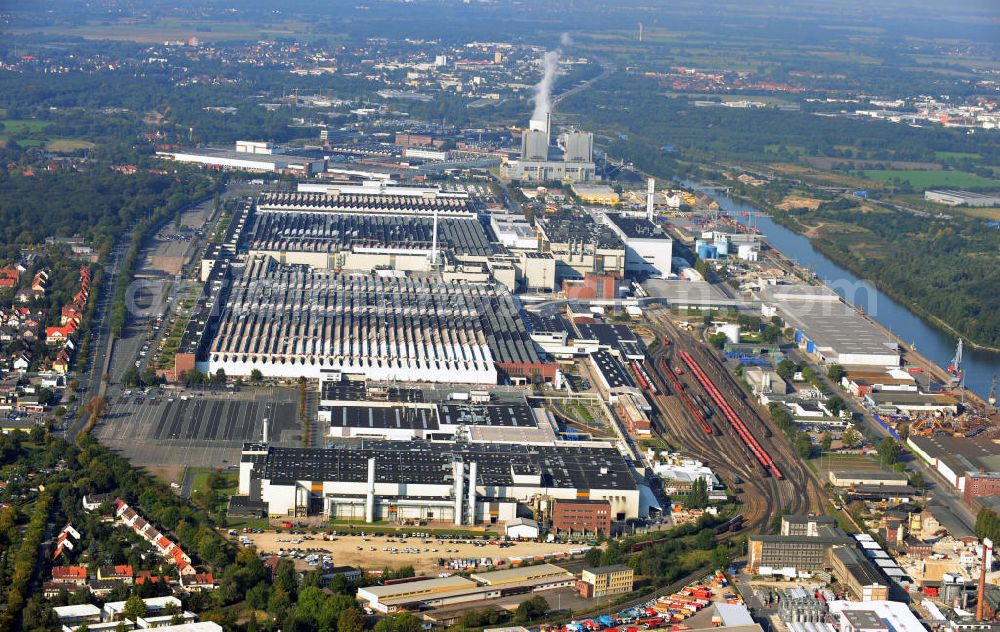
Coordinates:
(748, 439)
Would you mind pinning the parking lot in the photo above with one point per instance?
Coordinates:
(376, 552)
(192, 428)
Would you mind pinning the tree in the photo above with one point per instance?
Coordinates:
(219, 379)
(531, 609)
(721, 556)
(826, 442)
(809, 375)
(917, 480)
(697, 498)
(786, 369)
(836, 405)
(134, 608)
(888, 451)
(287, 579)
(803, 446)
(97, 407)
(718, 340)
(149, 376)
(402, 622)
(851, 437)
(705, 539)
(351, 620)
(835, 372)
(131, 376)
(256, 376)
(771, 334)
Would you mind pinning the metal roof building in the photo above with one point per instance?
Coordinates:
(292, 321)
(830, 329)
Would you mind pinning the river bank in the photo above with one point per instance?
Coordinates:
(909, 355)
(936, 344)
(845, 261)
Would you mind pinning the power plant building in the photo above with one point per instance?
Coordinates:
(541, 163)
(456, 483)
(578, 146)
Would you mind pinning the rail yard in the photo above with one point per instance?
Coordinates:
(773, 478)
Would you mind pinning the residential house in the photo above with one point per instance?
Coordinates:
(74, 575)
(65, 541)
(91, 502)
(198, 581)
(120, 572)
(22, 362)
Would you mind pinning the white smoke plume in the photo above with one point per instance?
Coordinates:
(565, 40)
(543, 91)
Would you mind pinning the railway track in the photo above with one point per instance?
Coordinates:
(763, 496)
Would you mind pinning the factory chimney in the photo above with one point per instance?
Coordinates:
(987, 561)
(458, 472)
(650, 192)
(472, 493)
(370, 496)
(541, 124)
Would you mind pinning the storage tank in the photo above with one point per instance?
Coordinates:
(732, 332)
(708, 251)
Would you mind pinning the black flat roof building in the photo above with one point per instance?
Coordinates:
(611, 370)
(421, 462)
(637, 227)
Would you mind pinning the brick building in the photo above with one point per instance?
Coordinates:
(582, 516)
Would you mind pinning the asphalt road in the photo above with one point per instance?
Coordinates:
(100, 338)
(124, 351)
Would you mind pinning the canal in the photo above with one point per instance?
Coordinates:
(931, 342)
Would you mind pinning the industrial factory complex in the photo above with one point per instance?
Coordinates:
(456, 483)
(401, 302)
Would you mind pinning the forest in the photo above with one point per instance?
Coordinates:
(637, 107)
(98, 205)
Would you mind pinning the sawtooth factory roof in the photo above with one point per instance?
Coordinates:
(332, 232)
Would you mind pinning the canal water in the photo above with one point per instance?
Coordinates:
(932, 342)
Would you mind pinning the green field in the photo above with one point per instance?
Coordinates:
(25, 126)
(843, 462)
(958, 155)
(22, 127)
(928, 179)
